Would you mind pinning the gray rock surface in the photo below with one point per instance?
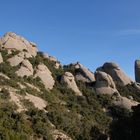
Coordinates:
(45, 75)
(16, 60)
(58, 135)
(46, 55)
(11, 41)
(83, 74)
(51, 58)
(104, 83)
(137, 71)
(1, 59)
(26, 69)
(137, 85)
(116, 73)
(125, 102)
(57, 64)
(69, 80)
(80, 77)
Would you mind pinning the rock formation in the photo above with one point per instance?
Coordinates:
(83, 74)
(1, 59)
(11, 41)
(69, 80)
(116, 73)
(37, 102)
(104, 83)
(52, 59)
(124, 102)
(137, 71)
(45, 75)
(26, 69)
(57, 135)
(44, 112)
(16, 60)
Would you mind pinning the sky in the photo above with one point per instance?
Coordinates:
(91, 32)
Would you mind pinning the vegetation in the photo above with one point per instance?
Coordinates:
(130, 91)
(127, 126)
(86, 117)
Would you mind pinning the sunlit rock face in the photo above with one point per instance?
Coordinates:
(124, 102)
(25, 69)
(1, 59)
(116, 73)
(45, 75)
(11, 41)
(82, 73)
(104, 83)
(16, 60)
(69, 80)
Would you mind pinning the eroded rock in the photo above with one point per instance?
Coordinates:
(57, 135)
(104, 83)
(1, 59)
(137, 71)
(116, 73)
(124, 102)
(16, 60)
(82, 73)
(26, 69)
(69, 80)
(11, 41)
(45, 75)
(37, 102)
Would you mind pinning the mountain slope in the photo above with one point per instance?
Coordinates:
(40, 99)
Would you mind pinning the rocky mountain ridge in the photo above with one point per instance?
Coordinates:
(35, 78)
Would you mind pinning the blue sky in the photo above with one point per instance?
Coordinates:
(89, 31)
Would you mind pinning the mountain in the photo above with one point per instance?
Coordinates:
(40, 99)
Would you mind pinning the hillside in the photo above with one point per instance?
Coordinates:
(40, 99)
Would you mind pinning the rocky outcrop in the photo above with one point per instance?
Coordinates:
(31, 86)
(16, 60)
(69, 80)
(137, 86)
(137, 71)
(104, 83)
(82, 73)
(124, 102)
(15, 98)
(53, 59)
(45, 75)
(1, 59)
(37, 102)
(80, 77)
(46, 55)
(58, 135)
(86, 73)
(11, 41)
(116, 73)
(26, 69)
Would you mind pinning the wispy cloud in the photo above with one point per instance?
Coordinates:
(129, 32)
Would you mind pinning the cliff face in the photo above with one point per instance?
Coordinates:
(137, 71)
(46, 100)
